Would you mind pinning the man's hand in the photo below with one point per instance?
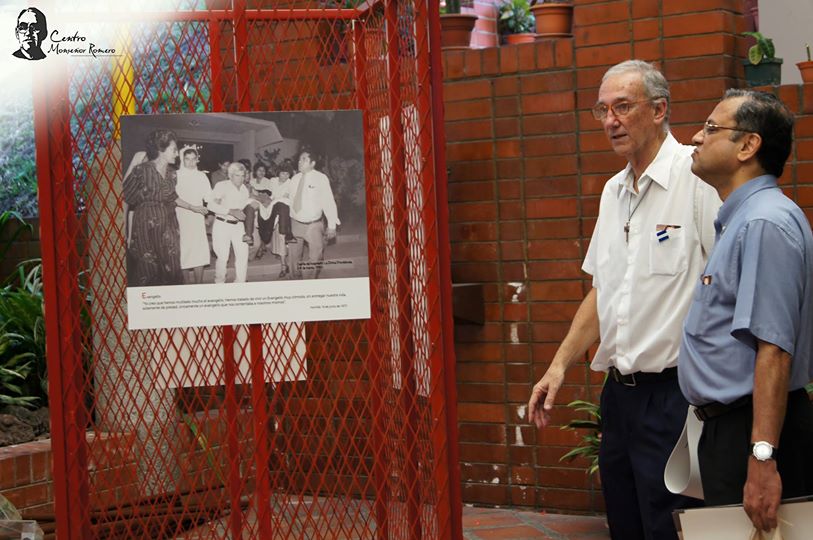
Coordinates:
(762, 493)
(584, 331)
(544, 395)
(330, 234)
(238, 214)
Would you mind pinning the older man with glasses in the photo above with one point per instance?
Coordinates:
(31, 29)
(228, 200)
(654, 231)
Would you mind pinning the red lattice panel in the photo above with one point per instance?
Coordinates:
(351, 438)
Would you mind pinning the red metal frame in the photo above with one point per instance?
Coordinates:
(60, 272)
(404, 293)
(62, 266)
(445, 265)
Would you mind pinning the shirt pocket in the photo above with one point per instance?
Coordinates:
(695, 322)
(667, 251)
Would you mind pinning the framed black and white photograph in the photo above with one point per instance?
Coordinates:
(239, 218)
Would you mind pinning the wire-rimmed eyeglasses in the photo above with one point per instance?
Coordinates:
(710, 128)
(619, 110)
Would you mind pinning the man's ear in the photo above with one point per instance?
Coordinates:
(660, 106)
(748, 146)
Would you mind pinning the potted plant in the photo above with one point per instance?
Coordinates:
(806, 68)
(591, 440)
(455, 26)
(762, 67)
(554, 18)
(515, 22)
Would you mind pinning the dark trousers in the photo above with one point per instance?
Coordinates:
(283, 212)
(265, 227)
(250, 213)
(725, 446)
(640, 426)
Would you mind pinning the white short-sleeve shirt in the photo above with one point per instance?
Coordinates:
(644, 287)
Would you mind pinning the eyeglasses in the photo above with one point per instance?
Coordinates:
(619, 110)
(710, 128)
(24, 27)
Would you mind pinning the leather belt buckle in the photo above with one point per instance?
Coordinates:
(626, 380)
(629, 380)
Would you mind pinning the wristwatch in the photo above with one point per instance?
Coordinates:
(763, 450)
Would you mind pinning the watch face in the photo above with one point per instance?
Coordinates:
(762, 450)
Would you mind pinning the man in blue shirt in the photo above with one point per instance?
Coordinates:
(748, 337)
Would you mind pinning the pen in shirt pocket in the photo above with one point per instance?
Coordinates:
(662, 231)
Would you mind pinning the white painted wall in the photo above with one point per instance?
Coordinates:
(790, 24)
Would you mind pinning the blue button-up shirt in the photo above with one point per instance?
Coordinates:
(757, 285)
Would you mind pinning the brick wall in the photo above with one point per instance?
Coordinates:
(527, 164)
(797, 180)
(485, 29)
(26, 472)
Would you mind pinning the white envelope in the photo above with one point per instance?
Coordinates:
(732, 523)
(682, 472)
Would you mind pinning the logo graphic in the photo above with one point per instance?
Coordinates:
(31, 29)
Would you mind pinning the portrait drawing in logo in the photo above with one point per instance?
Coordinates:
(30, 31)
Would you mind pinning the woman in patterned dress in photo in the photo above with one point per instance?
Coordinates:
(149, 192)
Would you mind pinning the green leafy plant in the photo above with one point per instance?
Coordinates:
(23, 379)
(453, 6)
(762, 51)
(515, 17)
(13, 373)
(807, 48)
(450, 6)
(22, 335)
(591, 441)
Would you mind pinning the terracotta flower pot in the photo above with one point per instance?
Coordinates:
(806, 69)
(553, 19)
(455, 29)
(516, 39)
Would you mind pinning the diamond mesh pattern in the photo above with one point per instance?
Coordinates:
(302, 430)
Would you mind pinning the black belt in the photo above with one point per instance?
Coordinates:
(640, 377)
(715, 408)
(224, 220)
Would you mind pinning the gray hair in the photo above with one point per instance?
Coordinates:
(236, 166)
(655, 85)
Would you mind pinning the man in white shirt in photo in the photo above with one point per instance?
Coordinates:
(655, 230)
(312, 204)
(228, 200)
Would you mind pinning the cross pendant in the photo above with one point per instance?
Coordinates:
(627, 231)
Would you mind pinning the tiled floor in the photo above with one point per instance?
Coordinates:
(491, 524)
(351, 522)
